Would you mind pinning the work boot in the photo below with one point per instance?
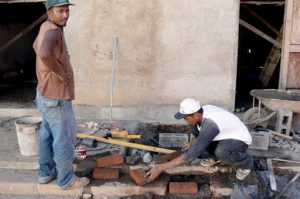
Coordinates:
(79, 182)
(241, 174)
(209, 162)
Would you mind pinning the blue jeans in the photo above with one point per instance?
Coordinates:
(231, 152)
(57, 140)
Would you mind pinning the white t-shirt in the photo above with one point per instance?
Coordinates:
(230, 126)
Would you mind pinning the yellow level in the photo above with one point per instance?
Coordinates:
(127, 144)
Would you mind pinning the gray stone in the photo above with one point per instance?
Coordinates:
(173, 140)
(260, 140)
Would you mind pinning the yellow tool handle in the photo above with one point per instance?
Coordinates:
(133, 137)
(127, 144)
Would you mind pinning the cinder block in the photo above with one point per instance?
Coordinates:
(220, 185)
(173, 140)
(138, 175)
(284, 121)
(111, 160)
(183, 188)
(106, 173)
(260, 140)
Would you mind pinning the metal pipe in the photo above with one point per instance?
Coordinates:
(113, 76)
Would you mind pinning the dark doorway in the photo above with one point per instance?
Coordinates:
(17, 61)
(254, 58)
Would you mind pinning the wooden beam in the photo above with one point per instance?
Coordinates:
(295, 48)
(278, 3)
(262, 20)
(260, 33)
(271, 62)
(22, 1)
(23, 32)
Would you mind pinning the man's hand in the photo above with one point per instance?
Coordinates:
(154, 172)
(186, 146)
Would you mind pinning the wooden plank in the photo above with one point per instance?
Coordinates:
(295, 39)
(257, 16)
(278, 3)
(272, 176)
(295, 48)
(22, 1)
(271, 62)
(23, 32)
(260, 33)
(293, 79)
(286, 45)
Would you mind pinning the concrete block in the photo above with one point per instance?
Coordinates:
(106, 173)
(17, 181)
(173, 140)
(111, 160)
(124, 187)
(220, 185)
(260, 140)
(18, 188)
(183, 188)
(52, 189)
(284, 121)
(138, 175)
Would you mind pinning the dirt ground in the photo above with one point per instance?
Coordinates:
(259, 176)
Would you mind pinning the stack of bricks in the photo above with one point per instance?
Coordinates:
(102, 170)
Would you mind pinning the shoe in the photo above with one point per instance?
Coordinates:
(46, 179)
(209, 162)
(79, 182)
(241, 174)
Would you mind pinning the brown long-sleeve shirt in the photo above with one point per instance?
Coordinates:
(51, 82)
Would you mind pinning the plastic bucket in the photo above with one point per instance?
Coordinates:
(28, 135)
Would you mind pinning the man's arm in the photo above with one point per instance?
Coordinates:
(157, 169)
(47, 54)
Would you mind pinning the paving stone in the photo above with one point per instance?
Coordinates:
(138, 175)
(111, 160)
(183, 188)
(106, 173)
(52, 189)
(260, 140)
(125, 187)
(220, 185)
(173, 140)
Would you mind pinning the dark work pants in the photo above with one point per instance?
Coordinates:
(231, 152)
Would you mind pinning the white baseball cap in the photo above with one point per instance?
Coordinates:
(187, 107)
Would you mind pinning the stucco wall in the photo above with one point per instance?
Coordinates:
(168, 50)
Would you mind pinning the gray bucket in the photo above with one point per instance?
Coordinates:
(28, 135)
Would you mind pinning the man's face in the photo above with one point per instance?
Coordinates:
(59, 15)
(193, 119)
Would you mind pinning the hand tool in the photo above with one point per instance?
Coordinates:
(127, 144)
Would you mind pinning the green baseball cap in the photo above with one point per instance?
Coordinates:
(56, 3)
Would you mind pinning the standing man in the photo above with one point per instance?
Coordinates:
(217, 131)
(55, 92)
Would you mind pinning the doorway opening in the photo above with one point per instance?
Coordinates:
(259, 51)
(19, 26)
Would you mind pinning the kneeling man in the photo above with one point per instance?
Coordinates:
(217, 131)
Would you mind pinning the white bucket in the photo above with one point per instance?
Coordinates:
(28, 135)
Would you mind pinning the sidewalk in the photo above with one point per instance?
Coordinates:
(18, 174)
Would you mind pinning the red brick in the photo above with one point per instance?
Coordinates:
(183, 188)
(111, 160)
(106, 174)
(138, 175)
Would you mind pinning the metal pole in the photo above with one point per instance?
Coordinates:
(113, 76)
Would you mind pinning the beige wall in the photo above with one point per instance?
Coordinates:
(168, 50)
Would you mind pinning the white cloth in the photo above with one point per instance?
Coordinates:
(230, 126)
